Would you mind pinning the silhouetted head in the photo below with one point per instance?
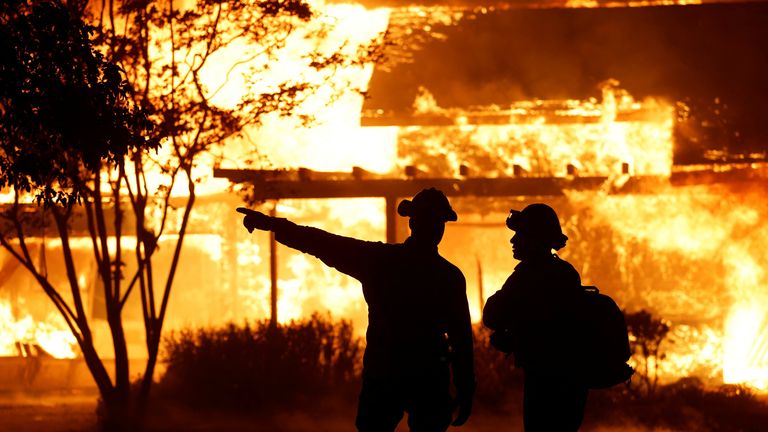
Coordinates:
(428, 212)
(537, 231)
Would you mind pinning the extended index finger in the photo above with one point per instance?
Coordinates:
(246, 211)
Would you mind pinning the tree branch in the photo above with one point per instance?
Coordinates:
(48, 289)
(102, 235)
(118, 224)
(177, 250)
(89, 213)
(69, 264)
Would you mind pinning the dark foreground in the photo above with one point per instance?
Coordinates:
(75, 412)
(308, 380)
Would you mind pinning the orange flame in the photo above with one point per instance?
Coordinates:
(18, 335)
(542, 137)
(710, 225)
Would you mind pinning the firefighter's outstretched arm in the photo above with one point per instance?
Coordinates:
(348, 255)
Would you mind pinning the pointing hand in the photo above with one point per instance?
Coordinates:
(255, 220)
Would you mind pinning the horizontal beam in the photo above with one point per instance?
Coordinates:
(721, 173)
(504, 118)
(403, 187)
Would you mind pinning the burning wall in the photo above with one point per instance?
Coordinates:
(711, 57)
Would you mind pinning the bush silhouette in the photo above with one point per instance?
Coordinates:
(254, 366)
(498, 381)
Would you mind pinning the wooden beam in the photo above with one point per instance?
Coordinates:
(289, 184)
(391, 215)
(273, 292)
(343, 185)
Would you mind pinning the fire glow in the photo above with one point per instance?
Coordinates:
(23, 336)
(543, 138)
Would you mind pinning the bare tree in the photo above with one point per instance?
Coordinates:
(66, 120)
(139, 139)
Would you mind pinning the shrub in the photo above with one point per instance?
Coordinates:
(498, 381)
(256, 366)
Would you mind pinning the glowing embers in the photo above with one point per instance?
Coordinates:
(541, 138)
(26, 337)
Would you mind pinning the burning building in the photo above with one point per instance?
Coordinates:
(642, 126)
(627, 119)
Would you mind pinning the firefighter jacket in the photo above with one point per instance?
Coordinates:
(536, 305)
(418, 316)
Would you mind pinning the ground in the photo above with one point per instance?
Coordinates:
(75, 412)
(48, 412)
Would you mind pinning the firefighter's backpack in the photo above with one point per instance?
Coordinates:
(603, 341)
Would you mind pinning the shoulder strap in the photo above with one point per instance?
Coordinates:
(591, 289)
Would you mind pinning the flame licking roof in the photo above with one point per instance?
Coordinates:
(710, 57)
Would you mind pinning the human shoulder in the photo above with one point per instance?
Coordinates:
(566, 270)
(453, 271)
(565, 265)
(546, 267)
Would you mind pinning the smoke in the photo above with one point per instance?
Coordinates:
(689, 54)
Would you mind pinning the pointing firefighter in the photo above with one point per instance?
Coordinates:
(419, 331)
(532, 318)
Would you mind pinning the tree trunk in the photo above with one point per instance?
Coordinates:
(149, 372)
(117, 413)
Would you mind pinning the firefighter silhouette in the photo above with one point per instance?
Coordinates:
(533, 310)
(419, 331)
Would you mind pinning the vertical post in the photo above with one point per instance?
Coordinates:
(391, 213)
(480, 292)
(230, 246)
(273, 272)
